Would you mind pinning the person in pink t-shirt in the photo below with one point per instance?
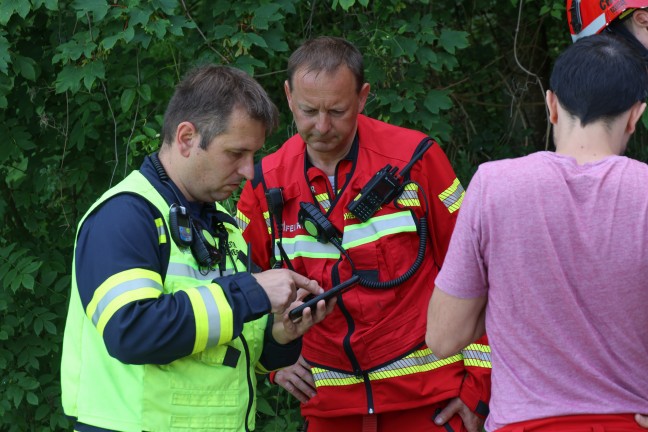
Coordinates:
(550, 256)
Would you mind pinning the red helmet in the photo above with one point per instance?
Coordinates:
(588, 17)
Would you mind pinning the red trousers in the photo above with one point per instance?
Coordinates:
(578, 423)
(417, 419)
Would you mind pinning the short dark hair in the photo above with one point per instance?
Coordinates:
(598, 78)
(326, 54)
(208, 95)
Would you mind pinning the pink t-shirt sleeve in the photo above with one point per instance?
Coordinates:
(463, 273)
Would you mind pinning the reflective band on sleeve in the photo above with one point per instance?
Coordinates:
(477, 355)
(159, 224)
(120, 289)
(212, 328)
(409, 197)
(416, 362)
(242, 220)
(453, 196)
(377, 227)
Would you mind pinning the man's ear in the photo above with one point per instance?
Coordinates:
(186, 137)
(288, 95)
(640, 18)
(552, 105)
(635, 114)
(362, 96)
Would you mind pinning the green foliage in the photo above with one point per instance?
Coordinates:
(84, 85)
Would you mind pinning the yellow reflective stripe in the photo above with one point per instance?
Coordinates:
(308, 247)
(409, 197)
(453, 196)
(159, 224)
(477, 355)
(122, 300)
(213, 316)
(416, 362)
(241, 220)
(323, 200)
(377, 227)
(132, 280)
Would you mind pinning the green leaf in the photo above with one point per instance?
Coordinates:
(158, 27)
(265, 14)
(145, 92)
(110, 41)
(127, 98)
(38, 326)
(437, 100)
(92, 71)
(69, 79)
(139, 17)
(264, 407)
(9, 7)
(5, 57)
(28, 281)
(254, 39)
(450, 40)
(49, 4)
(50, 327)
(223, 31)
(98, 8)
(346, 4)
(167, 6)
(25, 67)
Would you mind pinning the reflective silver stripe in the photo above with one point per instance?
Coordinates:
(120, 289)
(476, 355)
(305, 246)
(408, 194)
(213, 315)
(450, 201)
(185, 270)
(378, 227)
(241, 223)
(324, 201)
(417, 362)
(159, 224)
(593, 28)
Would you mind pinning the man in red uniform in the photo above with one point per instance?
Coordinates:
(366, 367)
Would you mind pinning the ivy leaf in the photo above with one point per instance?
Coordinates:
(450, 40)
(98, 8)
(264, 15)
(167, 6)
(92, 71)
(69, 79)
(9, 7)
(437, 100)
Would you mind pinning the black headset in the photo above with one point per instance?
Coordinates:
(188, 233)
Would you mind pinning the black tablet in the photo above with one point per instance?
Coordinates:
(296, 313)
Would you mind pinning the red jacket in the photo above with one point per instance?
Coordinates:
(369, 354)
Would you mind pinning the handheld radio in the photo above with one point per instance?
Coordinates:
(384, 186)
